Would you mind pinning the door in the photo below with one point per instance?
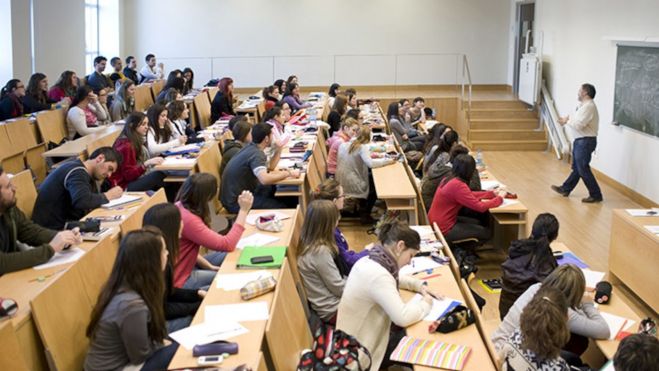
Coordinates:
(524, 24)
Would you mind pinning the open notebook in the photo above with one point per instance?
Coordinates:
(121, 201)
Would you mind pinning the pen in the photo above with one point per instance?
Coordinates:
(432, 276)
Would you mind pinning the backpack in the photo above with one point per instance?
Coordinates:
(333, 350)
(387, 217)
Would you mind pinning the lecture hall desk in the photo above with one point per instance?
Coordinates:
(77, 147)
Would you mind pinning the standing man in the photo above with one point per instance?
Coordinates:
(130, 71)
(584, 125)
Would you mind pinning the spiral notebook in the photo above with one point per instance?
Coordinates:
(431, 353)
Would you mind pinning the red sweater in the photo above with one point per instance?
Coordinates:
(452, 196)
(129, 169)
(195, 234)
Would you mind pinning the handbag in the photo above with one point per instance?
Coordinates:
(459, 317)
(333, 350)
(269, 223)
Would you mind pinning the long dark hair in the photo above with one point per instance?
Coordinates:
(289, 88)
(434, 136)
(392, 111)
(9, 87)
(137, 267)
(223, 85)
(279, 83)
(130, 132)
(34, 90)
(332, 90)
(81, 94)
(545, 231)
(463, 167)
(64, 82)
(189, 83)
(445, 144)
(173, 81)
(195, 193)
(166, 217)
(175, 109)
(340, 104)
(161, 134)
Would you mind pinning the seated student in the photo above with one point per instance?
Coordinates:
(36, 95)
(292, 97)
(17, 229)
(271, 96)
(101, 109)
(371, 300)
(454, 194)
(168, 96)
(188, 75)
(150, 72)
(250, 170)
(193, 202)
(637, 352)
(437, 151)
(161, 137)
(242, 134)
(331, 190)
(65, 87)
(117, 67)
(130, 71)
(178, 114)
(337, 112)
(292, 79)
(222, 105)
(275, 118)
(81, 118)
(437, 174)
(320, 274)
(180, 304)
(173, 82)
(70, 191)
(430, 113)
(97, 80)
(416, 113)
(134, 173)
(124, 101)
(285, 110)
(408, 137)
(127, 326)
(529, 261)
(334, 90)
(584, 319)
(281, 85)
(536, 344)
(11, 104)
(351, 98)
(352, 171)
(349, 129)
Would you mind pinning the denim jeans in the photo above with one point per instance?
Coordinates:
(201, 279)
(161, 358)
(582, 150)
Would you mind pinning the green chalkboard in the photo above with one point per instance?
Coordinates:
(636, 102)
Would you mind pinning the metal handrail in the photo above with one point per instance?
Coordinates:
(556, 131)
(465, 68)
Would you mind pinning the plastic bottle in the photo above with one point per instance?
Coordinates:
(479, 159)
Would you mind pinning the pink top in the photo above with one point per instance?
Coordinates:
(195, 234)
(334, 143)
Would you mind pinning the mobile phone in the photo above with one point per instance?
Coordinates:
(209, 360)
(261, 259)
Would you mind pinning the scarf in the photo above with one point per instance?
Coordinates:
(381, 256)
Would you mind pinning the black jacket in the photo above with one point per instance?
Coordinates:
(334, 121)
(529, 262)
(231, 147)
(221, 106)
(179, 302)
(131, 74)
(31, 104)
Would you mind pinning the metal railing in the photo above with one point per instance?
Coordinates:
(466, 74)
(550, 117)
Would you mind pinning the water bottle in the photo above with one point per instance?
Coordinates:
(312, 116)
(479, 159)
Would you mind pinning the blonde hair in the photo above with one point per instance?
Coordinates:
(349, 122)
(364, 137)
(318, 228)
(570, 280)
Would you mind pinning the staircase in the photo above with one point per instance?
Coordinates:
(505, 125)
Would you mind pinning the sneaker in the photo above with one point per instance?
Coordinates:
(591, 200)
(560, 191)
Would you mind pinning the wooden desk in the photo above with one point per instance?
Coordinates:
(393, 185)
(78, 147)
(250, 344)
(511, 221)
(187, 167)
(633, 255)
(617, 305)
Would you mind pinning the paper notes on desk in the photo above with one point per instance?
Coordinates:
(643, 212)
(124, 199)
(252, 311)
(256, 239)
(235, 281)
(252, 217)
(286, 163)
(616, 324)
(431, 353)
(207, 332)
(592, 277)
(439, 307)
(418, 264)
(489, 185)
(62, 257)
(654, 229)
(179, 161)
(508, 202)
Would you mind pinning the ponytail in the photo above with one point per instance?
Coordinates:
(9, 87)
(327, 190)
(393, 231)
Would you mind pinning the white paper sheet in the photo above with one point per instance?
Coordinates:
(286, 163)
(62, 257)
(252, 217)
(178, 161)
(592, 277)
(508, 202)
(293, 155)
(256, 239)
(643, 212)
(235, 281)
(488, 185)
(616, 323)
(425, 231)
(653, 228)
(418, 264)
(124, 199)
(186, 147)
(438, 306)
(207, 332)
(252, 311)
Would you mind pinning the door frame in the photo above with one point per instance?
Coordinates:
(517, 55)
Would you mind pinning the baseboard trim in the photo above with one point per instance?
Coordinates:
(306, 89)
(632, 194)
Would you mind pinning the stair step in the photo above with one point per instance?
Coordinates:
(503, 124)
(488, 104)
(509, 145)
(502, 113)
(511, 134)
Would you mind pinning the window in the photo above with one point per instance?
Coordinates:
(101, 31)
(91, 34)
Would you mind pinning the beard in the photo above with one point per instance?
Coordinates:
(6, 205)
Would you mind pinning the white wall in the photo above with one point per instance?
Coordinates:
(21, 39)
(575, 52)
(6, 56)
(353, 42)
